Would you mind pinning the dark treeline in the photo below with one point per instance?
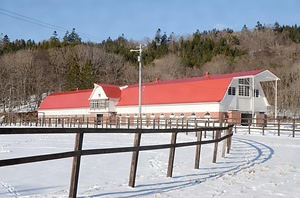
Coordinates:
(30, 69)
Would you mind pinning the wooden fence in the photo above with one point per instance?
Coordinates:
(218, 134)
(280, 124)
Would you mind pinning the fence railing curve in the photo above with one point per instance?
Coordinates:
(135, 149)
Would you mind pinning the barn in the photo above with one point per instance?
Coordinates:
(236, 95)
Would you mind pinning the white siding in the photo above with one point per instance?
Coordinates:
(98, 93)
(244, 103)
(175, 108)
(64, 112)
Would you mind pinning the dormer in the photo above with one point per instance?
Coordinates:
(104, 98)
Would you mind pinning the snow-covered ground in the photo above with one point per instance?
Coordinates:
(257, 166)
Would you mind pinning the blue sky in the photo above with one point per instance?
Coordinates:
(96, 20)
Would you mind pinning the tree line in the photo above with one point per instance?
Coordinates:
(29, 70)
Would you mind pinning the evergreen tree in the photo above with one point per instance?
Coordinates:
(164, 39)
(276, 27)
(259, 26)
(87, 76)
(74, 38)
(54, 41)
(73, 79)
(5, 39)
(71, 38)
(245, 28)
(157, 37)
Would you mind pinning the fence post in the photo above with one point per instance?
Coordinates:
(198, 150)
(229, 140)
(235, 123)
(216, 147)
(294, 127)
(213, 131)
(153, 123)
(76, 165)
(224, 144)
(206, 125)
(172, 154)
(135, 157)
(278, 127)
(166, 123)
(249, 123)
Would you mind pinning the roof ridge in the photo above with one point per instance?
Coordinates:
(71, 92)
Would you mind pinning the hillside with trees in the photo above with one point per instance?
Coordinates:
(30, 70)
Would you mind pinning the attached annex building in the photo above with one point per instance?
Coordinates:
(236, 95)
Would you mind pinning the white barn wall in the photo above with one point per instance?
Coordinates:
(98, 93)
(64, 112)
(175, 108)
(244, 103)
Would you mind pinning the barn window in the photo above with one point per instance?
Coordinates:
(256, 93)
(231, 91)
(244, 87)
(98, 104)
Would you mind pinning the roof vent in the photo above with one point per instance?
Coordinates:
(156, 80)
(207, 75)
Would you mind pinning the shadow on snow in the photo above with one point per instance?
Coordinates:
(252, 153)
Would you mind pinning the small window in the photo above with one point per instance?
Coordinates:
(231, 91)
(244, 86)
(256, 93)
(244, 81)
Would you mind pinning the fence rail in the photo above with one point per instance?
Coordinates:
(220, 133)
(280, 124)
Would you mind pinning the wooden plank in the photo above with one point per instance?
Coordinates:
(35, 130)
(294, 127)
(134, 159)
(224, 145)
(172, 154)
(229, 140)
(76, 166)
(198, 150)
(249, 126)
(216, 147)
(278, 125)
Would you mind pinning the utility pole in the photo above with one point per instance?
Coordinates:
(140, 79)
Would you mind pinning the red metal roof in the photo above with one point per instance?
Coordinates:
(62, 100)
(187, 90)
(111, 91)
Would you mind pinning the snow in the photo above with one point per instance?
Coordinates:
(257, 166)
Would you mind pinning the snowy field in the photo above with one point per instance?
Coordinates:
(258, 166)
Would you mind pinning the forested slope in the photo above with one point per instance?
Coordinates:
(30, 69)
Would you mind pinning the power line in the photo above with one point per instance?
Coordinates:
(41, 23)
